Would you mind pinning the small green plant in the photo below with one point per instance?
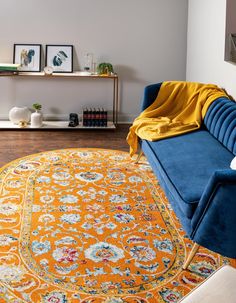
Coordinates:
(37, 106)
(105, 68)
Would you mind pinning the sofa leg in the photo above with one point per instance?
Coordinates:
(139, 156)
(191, 255)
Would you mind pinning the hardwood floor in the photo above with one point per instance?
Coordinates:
(20, 143)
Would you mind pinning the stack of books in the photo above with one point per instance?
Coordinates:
(95, 117)
(9, 68)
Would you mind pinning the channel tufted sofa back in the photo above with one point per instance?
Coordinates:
(220, 120)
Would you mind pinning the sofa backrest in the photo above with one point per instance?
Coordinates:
(220, 120)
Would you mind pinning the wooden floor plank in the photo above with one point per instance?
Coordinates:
(19, 143)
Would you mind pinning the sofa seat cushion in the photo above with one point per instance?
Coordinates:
(186, 163)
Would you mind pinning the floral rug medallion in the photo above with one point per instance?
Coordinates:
(88, 225)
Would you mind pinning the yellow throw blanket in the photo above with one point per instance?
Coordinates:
(179, 108)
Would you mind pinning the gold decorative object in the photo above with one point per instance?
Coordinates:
(22, 124)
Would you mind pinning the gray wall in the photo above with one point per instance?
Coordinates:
(206, 45)
(145, 40)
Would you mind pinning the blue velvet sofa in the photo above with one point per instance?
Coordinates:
(194, 171)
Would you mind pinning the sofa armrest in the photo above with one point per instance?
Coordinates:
(214, 221)
(149, 95)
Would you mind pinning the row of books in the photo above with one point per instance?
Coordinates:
(94, 117)
(9, 68)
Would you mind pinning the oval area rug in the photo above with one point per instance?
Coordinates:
(89, 225)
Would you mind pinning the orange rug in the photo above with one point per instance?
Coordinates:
(90, 226)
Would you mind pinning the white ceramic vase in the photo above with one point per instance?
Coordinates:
(36, 119)
(19, 114)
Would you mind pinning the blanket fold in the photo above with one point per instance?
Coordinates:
(179, 108)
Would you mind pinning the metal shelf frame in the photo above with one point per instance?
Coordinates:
(62, 124)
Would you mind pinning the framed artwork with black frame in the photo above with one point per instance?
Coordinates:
(28, 56)
(60, 58)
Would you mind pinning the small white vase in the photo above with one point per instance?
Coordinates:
(36, 119)
(19, 114)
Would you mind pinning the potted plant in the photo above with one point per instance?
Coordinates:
(37, 106)
(105, 69)
(36, 117)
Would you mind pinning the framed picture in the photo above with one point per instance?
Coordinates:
(60, 58)
(28, 56)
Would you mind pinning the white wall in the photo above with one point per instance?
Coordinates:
(145, 40)
(206, 45)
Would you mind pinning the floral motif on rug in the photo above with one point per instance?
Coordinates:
(88, 225)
